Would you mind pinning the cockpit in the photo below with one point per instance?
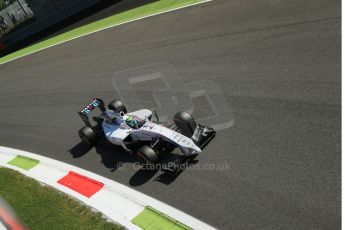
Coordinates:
(134, 122)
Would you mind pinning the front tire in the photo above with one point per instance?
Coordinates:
(185, 123)
(117, 106)
(87, 136)
(147, 156)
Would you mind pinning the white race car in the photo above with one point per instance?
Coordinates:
(128, 129)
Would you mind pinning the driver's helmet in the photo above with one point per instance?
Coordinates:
(132, 122)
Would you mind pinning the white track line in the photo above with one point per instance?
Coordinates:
(104, 28)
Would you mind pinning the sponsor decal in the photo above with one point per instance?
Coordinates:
(95, 103)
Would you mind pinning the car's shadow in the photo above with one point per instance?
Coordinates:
(109, 159)
(115, 161)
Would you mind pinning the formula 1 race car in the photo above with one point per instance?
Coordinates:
(129, 129)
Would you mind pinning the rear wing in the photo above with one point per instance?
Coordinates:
(95, 103)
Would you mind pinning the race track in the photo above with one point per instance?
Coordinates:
(278, 65)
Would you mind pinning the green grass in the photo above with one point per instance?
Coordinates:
(146, 10)
(151, 219)
(42, 207)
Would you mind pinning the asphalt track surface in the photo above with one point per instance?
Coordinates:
(99, 11)
(278, 64)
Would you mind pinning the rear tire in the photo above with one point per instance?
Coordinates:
(117, 106)
(87, 136)
(185, 122)
(147, 156)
